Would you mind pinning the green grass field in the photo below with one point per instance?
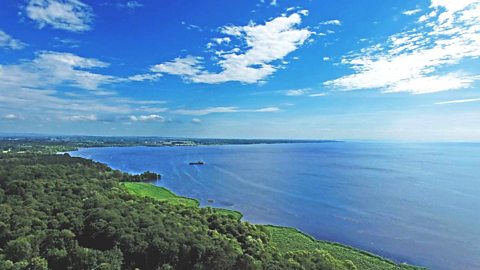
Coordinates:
(163, 194)
(158, 193)
(288, 239)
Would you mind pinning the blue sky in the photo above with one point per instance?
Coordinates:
(379, 70)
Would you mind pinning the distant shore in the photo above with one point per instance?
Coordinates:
(65, 144)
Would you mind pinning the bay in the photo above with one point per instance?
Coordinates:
(411, 202)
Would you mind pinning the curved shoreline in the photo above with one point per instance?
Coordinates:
(297, 237)
(389, 263)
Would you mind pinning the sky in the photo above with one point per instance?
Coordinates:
(349, 70)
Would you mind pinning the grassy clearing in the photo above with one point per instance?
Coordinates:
(288, 239)
(163, 194)
(158, 193)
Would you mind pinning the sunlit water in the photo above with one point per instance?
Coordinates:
(415, 203)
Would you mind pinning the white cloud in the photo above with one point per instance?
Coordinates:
(54, 68)
(207, 111)
(222, 40)
(326, 58)
(413, 61)
(192, 26)
(196, 120)
(267, 109)
(210, 110)
(151, 117)
(88, 117)
(297, 92)
(188, 66)
(11, 116)
(411, 12)
(265, 44)
(70, 15)
(304, 12)
(458, 101)
(6, 41)
(66, 42)
(331, 22)
(145, 77)
(432, 84)
(130, 5)
(302, 92)
(317, 95)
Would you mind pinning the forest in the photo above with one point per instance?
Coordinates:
(61, 212)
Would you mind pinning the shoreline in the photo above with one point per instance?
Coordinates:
(278, 229)
(292, 230)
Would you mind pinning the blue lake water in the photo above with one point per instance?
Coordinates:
(415, 203)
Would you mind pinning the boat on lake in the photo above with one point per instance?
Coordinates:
(197, 163)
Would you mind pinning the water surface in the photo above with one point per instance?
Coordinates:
(415, 203)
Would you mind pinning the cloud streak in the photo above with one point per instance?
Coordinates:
(54, 68)
(302, 92)
(210, 110)
(458, 101)
(411, 12)
(11, 116)
(8, 42)
(88, 117)
(196, 121)
(331, 22)
(147, 118)
(130, 5)
(297, 92)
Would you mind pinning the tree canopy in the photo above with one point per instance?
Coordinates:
(60, 212)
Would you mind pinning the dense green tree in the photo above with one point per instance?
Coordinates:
(38, 263)
(19, 249)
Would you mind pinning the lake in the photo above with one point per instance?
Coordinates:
(417, 203)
